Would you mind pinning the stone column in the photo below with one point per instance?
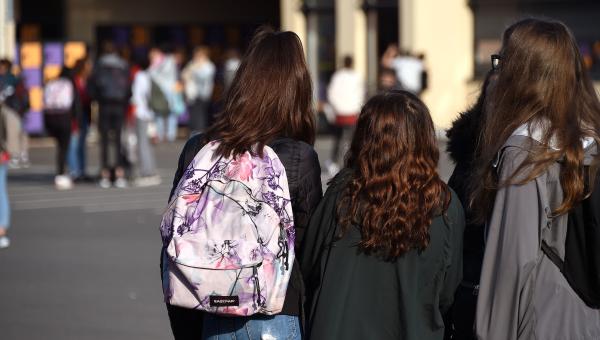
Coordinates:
(7, 29)
(351, 34)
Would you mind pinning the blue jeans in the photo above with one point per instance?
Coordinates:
(4, 206)
(72, 156)
(166, 127)
(257, 327)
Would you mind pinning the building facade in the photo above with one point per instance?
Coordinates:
(455, 36)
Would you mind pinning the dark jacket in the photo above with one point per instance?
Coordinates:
(109, 83)
(462, 140)
(356, 296)
(303, 171)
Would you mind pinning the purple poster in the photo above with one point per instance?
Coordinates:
(32, 77)
(53, 54)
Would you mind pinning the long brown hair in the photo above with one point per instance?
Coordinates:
(541, 82)
(395, 190)
(270, 96)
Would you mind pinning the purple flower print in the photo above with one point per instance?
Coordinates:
(217, 171)
(272, 178)
(255, 254)
(225, 255)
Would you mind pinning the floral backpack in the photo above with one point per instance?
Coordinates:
(228, 235)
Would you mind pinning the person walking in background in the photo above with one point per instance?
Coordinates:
(4, 204)
(259, 111)
(110, 87)
(386, 240)
(16, 104)
(163, 94)
(60, 108)
(346, 93)
(199, 80)
(539, 139)
(78, 148)
(410, 70)
(144, 117)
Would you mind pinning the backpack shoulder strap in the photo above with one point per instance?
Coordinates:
(553, 256)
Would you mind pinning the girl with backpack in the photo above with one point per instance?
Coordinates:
(267, 116)
(382, 256)
(59, 110)
(537, 152)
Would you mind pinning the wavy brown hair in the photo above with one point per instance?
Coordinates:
(395, 190)
(541, 82)
(270, 96)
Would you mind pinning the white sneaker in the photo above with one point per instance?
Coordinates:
(4, 242)
(14, 164)
(121, 183)
(24, 162)
(147, 181)
(105, 183)
(63, 182)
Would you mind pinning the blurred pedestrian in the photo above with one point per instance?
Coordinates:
(110, 87)
(59, 112)
(258, 112)
(16, 105)
(387, 59)
(410, 70)
(4, 204)
(346, 94)
(537, 162)
(199, 81)
(164, 93)
(144, 118)
(383, 251)
(230, 66)
(78, 148)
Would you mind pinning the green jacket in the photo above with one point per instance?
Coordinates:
(351, 295)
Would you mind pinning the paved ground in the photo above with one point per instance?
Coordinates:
(84, 263)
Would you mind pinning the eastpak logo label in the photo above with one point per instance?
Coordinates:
(224, 301)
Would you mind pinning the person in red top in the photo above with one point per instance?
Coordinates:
(81, 123)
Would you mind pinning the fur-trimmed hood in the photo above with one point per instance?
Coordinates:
(462, 136)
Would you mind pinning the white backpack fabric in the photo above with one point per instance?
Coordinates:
(228, 235)
(59, 95)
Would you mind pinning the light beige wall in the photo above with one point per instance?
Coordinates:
(7, 30)
(443, 30)
(351, 34)
(292, 19)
